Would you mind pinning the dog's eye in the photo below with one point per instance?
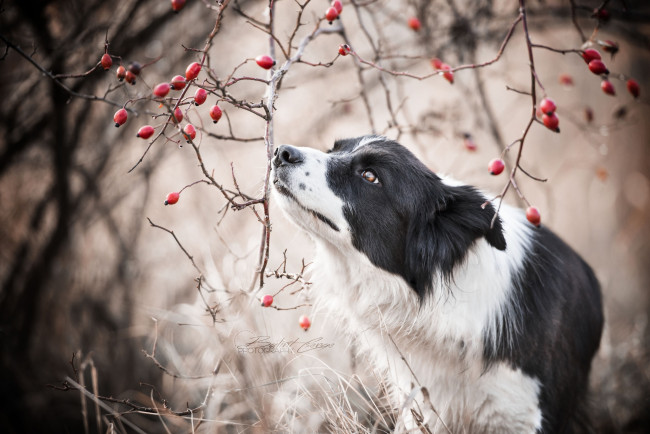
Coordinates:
(370, 176)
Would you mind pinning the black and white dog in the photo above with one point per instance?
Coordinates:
(486, 328)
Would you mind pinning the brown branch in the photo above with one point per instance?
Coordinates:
(18, 50)
(190, 257)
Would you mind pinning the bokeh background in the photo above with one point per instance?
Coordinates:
(83, 272)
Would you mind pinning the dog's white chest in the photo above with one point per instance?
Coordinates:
(439, 348)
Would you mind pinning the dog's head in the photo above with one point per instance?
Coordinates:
(374, 195)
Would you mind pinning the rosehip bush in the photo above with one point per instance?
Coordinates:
(396, 82)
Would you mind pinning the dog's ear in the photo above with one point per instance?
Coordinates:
(441, 233)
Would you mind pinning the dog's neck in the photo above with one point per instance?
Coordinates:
(471, 306)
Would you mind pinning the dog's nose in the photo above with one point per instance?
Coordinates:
(287, 155)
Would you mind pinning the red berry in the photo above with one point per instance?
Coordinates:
(120, 117)
(161, 90)
(200, 96)
(590, 54)
(177, 5)
(178, 82)
(496, 166)
(449, 76)
(414, 23)
(107, 62)
(135, 68)
(633, 87)
(547, 105)
(265, 61)
(304, 322)
(192, 71)
(267, 300)
(344, 49)
(469, 143)
(130, 77)
(336, 4)
(215, 113)
(598, 67)
(178, 114)
(608, 87)
(551, 122)
(532, 214)
(601, 14)
(172, 198)
(331, 14)
(436, 63)
(565, 79)
(609, 46)
(189, 132)
(121, 72)
(145, 132)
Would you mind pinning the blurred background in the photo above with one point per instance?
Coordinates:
(93, 297)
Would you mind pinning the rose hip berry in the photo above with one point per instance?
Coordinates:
(436, 63)
(178, 114)
(107, 62)
(414, 23)
(177, 5)
(565, 79)
(120, 117)
(496, 166)
(192, 71)
(547, 105)
(304, 322)
(602, 14)
(189, 132)
(178, 82)
(267, 300)
(608, 87)
(331, 14)
(135, 68)
(215, 113)
(449, 76)
(610, 47)
(121, 73)
(145, 132)
(469, 143)
(344, 49)
(598, 67)
(533, 216)
(590, 54)
(172, 198)
(633, 87)
(551, 122)
(336, 4)
(265, 61)
(200, 96)
(161, 90)
(130, 77)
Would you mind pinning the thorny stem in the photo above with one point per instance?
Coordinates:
(533, 96)
(172, 118)
(54, 78)
(274, 80)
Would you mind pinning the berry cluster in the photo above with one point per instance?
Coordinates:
(333, 12)
(439, 65)
(549, 118)
(596, 65)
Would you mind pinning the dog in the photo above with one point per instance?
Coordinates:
(482, 323)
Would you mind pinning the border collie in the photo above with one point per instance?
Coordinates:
(481, 325)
